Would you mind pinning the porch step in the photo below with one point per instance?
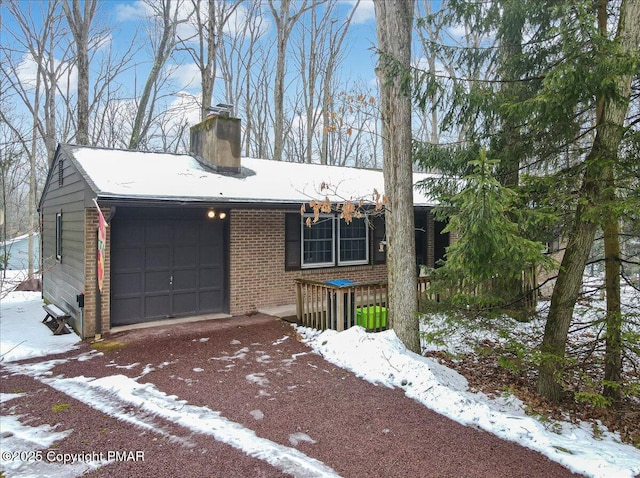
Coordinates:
(284, 312)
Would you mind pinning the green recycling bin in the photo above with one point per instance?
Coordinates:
(374, 317)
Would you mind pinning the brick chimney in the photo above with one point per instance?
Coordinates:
(216, 140)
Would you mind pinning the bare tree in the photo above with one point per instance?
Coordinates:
(335, 44)
(245, 66)
(13, 176)
(394, 19)
(429, 34)
(30, 69)
(166, 18)
(285, 19)
(309, 65)
(104, 103)
(80, 24)
(320, 51)
(351, 130)
(209, 25)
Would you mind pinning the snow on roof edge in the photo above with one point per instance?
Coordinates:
(169, 177)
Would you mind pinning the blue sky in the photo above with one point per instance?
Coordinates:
(129, 16)
(117, 23)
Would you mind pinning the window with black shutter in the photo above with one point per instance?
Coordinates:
(293, 242)
(331, 242)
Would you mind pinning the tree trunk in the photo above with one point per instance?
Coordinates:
(165, 47)
(207, 59)
(564, 296)
(278, 89)
(610, 118)
(613, 351)
(394, 20)
(80, 26)
(284, 23)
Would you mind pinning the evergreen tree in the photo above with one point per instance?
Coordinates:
(553, 102)
(491, 251)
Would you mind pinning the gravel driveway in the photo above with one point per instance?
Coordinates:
(251, 374)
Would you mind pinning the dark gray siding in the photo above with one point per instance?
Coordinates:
(63, 280)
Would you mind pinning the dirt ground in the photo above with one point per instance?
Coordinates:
(255, 373)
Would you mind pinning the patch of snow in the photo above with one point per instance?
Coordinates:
(198, 369)
(235, 342)
(281, 340)
(298, 437)
(126, 367)
(258, 378)
(239, 354)
(83, 357)
(381, 358)
(257, 414)
(5, 397)
(146, 370)
(22, 333)
(264, 358)
(116, 394)
(26, 444)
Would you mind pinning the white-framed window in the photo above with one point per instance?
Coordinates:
(331, 241)
(318, 246)
(353, 242)
(59, 236)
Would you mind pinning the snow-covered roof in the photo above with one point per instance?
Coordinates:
(122, 174)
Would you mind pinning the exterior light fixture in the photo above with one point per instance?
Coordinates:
(222, 215)
(211, 214)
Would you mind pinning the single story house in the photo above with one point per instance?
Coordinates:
(204, 233)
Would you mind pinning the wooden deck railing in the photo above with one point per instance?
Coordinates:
(323, 305)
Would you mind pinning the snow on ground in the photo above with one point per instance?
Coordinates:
(22, 334)
(379, 358)
(114, 395)
(382, 359)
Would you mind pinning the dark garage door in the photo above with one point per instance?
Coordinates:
(166, 266)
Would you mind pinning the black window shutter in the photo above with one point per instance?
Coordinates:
(378, 234)
(292, 241)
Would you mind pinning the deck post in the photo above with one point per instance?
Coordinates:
(299, 303)
(340, 309)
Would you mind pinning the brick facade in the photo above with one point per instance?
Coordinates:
(257, 275)
(90, 274)
(257, 263)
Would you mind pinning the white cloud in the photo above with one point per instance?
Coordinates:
(187, 76)
(101, 42)
(458, 32)
(27, 71)
(365, 11)
(233, 26)
(185, 107)
(133, 11)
